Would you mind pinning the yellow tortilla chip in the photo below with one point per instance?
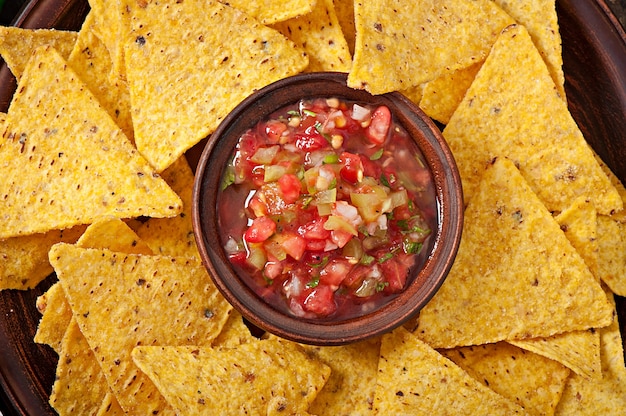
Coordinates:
(499, 117)
(91, 61)
(621, 190)
(579, 223)
(189, 64)
(113, 234)
(110, 25)
(399, 46)
(578, 350)
(174, 236)
(541, 20)
(56, 315)
(530, 380)
(345, 16)
(65, 162)
(606, 396)
(18, 44)
(319, 34)
(79, 387)
(516, 275)
(612, 254)
(350, 388)
(256, 378)
(415, 379)
(24, 260)
(110, 407)
(124, 300)
(235, 332)
(442, 95)
(272, 11)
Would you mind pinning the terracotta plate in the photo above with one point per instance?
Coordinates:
(594, 54)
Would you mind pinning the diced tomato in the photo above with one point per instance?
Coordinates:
(335, 272)
(260, 230)
(314, 230)
(316, 245)
(340, 237)
(310, 140)
(273, 269)
(257, 206)
(379, 126)
(320, 301)
(238, 258)
(290, 186)
(274, 130)
(355, 277)
(352, 167)
(395, 272)
(294, 245)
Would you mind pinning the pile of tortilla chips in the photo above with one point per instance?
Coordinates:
(96, 188)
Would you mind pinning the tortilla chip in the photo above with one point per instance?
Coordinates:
(272, 11)
(350, 388)
(579, 223)
(189, 64)
(578, 350)
(235, 332)
(174, 236)
(92, 62)
(400, 46)
(415, 379)
(65, 162)
(499, 116)
(124, 300)
(492, 293)
(345, 16)
(56, 315)
(110, 25)
(532, 381)
(18, 44)
(113, 234)
(541, 20)
(25, 259)
(621, 190)
(442, 95)
(256, 378)
(612, 254)
(319, 34)
(110, 407)
(606, 396)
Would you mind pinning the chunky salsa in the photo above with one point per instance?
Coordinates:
(325, 208)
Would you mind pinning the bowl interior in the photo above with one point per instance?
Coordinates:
(217, 154)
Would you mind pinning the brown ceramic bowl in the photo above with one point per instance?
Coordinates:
(423, 282)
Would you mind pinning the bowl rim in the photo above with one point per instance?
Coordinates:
(393, 313)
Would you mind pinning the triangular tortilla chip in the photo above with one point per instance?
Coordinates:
(272, 11)
(319, 34)
(124, 300)
(605, 396)
(348, 391)
(541, 20)
(235, 332)
(612, 254)
(25, 259)
(400, 45)
(415, 379)
(18, 44)
(65, 162)
(174, 236)
(91, 60)
(512, 243)
(189, 64)
(514, 110)
(110, 25)
(255, 378)
(56, 315)
(532, 381)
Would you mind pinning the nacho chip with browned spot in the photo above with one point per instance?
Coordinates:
(184, 80)
(415, 379)
(18, 44)
(400, 45)
(499, 117)
(319, 34)
(272, 11)
(516, 275)
(530, 380)
(257, 378)
(65, 162)
(124, 300)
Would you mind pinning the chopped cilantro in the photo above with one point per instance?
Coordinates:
(314, 282)
(377, 155)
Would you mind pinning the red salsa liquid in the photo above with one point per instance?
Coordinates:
(326, 207)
